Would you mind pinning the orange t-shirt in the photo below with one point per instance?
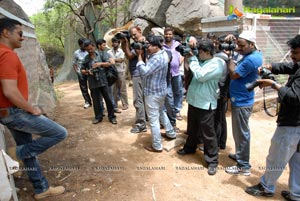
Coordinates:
(11, 68)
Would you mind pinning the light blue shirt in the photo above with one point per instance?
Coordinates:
(78, 58)
(203, 90)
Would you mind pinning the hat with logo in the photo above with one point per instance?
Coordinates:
(249, 36)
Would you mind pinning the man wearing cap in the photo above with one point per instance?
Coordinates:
(154, 75)
(242, 100)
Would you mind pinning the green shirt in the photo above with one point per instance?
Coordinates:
(203, 90)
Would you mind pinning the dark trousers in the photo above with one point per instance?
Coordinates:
(220, 122)
(83, 84)
(202, 122)
(96, 96)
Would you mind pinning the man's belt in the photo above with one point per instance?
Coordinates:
(4, 112)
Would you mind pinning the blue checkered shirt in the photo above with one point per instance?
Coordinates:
(154, 73)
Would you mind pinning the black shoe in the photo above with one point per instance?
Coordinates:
(138, 129)
(212, 170)
(258, 190)
(184, 152)
(222, 147)
(151, 149)
(232, 156)
(96, 121)
(164, 135)
(113, 121)
(287, 195)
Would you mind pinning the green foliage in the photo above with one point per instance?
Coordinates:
(50, 27)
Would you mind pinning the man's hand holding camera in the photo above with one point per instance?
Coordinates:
(139, 53)
(267, 78)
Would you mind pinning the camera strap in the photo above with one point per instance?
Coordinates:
(265, 105)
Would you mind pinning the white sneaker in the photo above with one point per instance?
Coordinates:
(86, 105)
(237, 171)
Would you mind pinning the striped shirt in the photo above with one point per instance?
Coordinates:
(154, 73)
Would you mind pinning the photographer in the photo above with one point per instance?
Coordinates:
(138, 95)
(220, 118)
(202, 100)
(242, 100)
(94, 67)
(154, 75)
(285, 145)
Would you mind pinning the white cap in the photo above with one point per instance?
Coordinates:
(249, 36)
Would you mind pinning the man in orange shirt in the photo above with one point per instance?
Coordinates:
(19, 116)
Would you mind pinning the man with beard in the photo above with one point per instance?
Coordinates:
(176, 79)
(285, 145)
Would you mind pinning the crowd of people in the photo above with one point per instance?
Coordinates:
(213, 75)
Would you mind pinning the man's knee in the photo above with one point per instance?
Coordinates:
(63, 133)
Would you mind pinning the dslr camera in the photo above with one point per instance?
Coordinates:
(122, 35)
(229, 46)
(264, 74)
(184, 49)
(95, 71)
(139, 45)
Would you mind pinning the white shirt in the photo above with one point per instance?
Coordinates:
(117, 55)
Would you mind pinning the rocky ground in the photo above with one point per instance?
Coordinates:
(107, 162)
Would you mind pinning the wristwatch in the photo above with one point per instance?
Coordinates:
(273, 85)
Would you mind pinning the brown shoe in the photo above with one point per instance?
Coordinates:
(52, 191)
(151, 149)
(125, 107)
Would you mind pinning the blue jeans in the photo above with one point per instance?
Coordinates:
(283, 150)
(169, 104)
(156, 114)
(22, 124)
(176, 82)
(110, 91)
(241, 134)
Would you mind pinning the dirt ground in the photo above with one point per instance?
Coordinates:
(107, 162)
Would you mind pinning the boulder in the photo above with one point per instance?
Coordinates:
(183, 16)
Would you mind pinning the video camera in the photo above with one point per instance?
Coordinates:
(122, 35)
(139, 45)
(184, 49)
(229, 46)
(264, 74)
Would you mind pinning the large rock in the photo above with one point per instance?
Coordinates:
(183, 16)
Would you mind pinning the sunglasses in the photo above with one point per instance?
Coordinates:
(20, 33)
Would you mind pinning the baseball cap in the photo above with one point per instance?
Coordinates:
(249, 36)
